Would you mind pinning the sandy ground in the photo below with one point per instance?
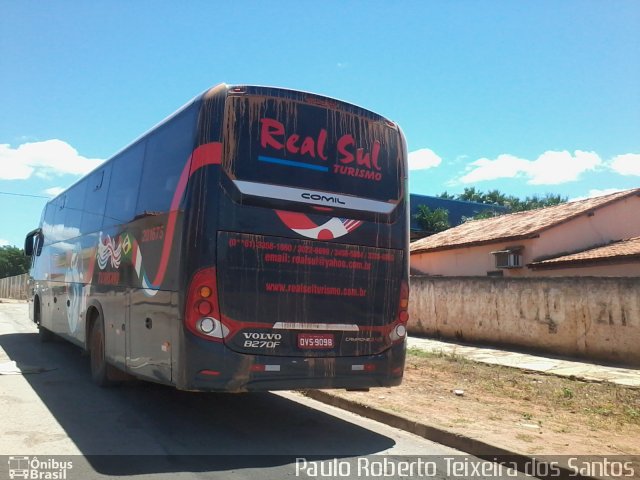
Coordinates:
(525, 412)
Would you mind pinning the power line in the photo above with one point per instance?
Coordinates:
(23, 195)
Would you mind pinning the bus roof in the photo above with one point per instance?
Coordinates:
(224, 89)
(298, 96)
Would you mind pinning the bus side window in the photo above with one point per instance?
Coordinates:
(168, 150)
(95, 198)
(48, 222)
(72, 209)
(123, 186)
(53, 226)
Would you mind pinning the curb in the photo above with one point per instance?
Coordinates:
(472, 446)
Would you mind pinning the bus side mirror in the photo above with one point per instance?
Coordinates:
(33, 242)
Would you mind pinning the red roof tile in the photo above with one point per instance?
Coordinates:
(514, 226)
(624, 249)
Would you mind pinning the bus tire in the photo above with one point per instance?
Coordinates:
(44, 335)
(100, 369)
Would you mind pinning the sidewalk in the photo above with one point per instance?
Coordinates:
(534, 363)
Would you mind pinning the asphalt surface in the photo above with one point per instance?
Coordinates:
(52, 411)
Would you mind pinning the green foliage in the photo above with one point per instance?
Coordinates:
(567, 393)
(12, 262)
(446, 195)
(484, 214)
(432, 221)
(438, 220)
(470, 194)
(495, 197)
(536, 201)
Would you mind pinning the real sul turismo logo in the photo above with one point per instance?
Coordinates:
(311, 152)
(38, 468)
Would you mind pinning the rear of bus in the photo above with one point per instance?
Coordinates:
(309, 285)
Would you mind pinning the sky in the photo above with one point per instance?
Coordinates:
(527, 97)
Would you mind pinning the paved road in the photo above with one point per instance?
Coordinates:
(166, 433)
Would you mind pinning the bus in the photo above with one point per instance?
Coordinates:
(256, 239)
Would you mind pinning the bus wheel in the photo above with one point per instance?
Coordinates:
(100, 369)
(43, 334)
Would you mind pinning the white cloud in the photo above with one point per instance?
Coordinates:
(11, 170)
(597, 193)
(423, 159)
(3, 242)
(550, 168)
(505, 166)
(553, 168)
(53, 191)
(44, 159)
(627, 164)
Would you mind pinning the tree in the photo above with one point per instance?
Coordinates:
(12, 262)
(494, 197)
(446, 196)
(470, 194)
(548, 200)
(432, 221)
(484, 214)
(515, 204)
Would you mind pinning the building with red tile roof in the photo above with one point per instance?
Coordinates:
(595, 236)
(623, 251)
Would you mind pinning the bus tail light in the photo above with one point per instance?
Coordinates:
(404, 295)
(399, 330)
(202, 313)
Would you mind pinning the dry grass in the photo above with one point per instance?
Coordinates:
(600, 405)
(526, 412)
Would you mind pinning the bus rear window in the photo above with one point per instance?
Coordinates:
(314, 150)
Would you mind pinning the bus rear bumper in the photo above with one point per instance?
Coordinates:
(236, 372)
(291, 383)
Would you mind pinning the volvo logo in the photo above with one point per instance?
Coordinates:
(322, 198)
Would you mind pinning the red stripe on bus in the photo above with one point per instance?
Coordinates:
(207, 154)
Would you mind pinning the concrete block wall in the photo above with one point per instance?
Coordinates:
(14, 287)
(587, 317)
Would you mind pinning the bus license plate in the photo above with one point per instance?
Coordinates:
(315, 340)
